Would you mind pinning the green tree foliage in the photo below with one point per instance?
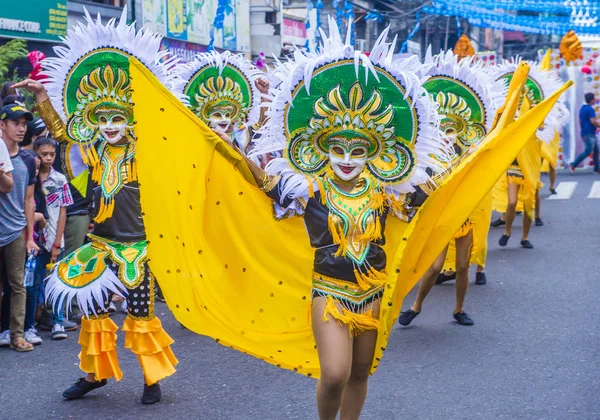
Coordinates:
(9, 52)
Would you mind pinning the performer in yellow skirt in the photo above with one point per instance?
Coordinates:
(468, 97)
(523, 176)
(86, 103)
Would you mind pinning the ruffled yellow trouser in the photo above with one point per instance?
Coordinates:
(146, 338)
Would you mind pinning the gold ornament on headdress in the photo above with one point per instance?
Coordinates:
(334, 116)
(220, 92)
(457, 116)
(100, 90)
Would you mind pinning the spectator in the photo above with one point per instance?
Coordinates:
(35, 130)
(16, 219)
(6, 167)
(58, 197)
(587, 120)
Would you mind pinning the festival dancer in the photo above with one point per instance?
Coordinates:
(87, 101)
(521, 183)
(225, 91)
(357, 133)
(468, 98)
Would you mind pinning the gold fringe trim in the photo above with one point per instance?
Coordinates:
(89, 155)
(338, 236)
(516, 180)
(322, 190)
(372, 279)
(464, 230)
(152, 346)
(98, 341)
(357, 323)
(107, 207)
(311, 188)
(373, 232)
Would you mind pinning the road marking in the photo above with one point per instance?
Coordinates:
(564, 190)
(595, 191)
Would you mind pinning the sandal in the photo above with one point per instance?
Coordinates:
(20, 345)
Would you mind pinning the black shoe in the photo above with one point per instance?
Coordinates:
(539, 221)
(503, 240)
(526, 244)
(463, 319)
(442, 278)
(151, 394)
(82, 387)
(497, 223)
(480, 278)
(552, 191)
(406, 318)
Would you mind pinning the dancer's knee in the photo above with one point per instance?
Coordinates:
(334, 379)
(360, 372)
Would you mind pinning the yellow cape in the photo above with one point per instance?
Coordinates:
(529, 159)
(481, 226)
(228, 270)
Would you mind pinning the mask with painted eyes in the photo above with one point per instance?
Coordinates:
(112, 125)
(221, 118)
(347, 157)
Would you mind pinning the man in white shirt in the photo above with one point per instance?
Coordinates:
(6, 167)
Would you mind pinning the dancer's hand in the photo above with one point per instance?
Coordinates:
(34, 87)
(262, 85)
(225, 137)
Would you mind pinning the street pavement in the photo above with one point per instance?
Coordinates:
(533, 352)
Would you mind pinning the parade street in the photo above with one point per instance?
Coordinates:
(533, 353)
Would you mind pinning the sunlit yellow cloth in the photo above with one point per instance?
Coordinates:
(430, 230)
(152, 346)
(227, 268)
(480, 219)
(98, 340)
(530, 164)
(550, 153)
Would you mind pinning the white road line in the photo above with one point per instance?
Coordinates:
(564, 190)
(595, 191)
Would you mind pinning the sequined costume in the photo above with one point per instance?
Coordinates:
(237, 266)
(90, 104)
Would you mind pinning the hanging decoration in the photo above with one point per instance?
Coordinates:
(570, 47)
(544, 17)
(464, 48)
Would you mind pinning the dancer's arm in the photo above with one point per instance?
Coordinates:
(55, 124)
(263, 180)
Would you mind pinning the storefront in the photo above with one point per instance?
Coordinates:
(188, 25)
(40, 22)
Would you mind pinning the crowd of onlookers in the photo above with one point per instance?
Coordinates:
(42, 218)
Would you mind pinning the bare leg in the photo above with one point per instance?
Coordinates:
(480, 268)
(513, 197)
(428, 280)
(463, 257)
(355, 393)
(526, 227)
(538, 204)
(334, 346)
(552, 176)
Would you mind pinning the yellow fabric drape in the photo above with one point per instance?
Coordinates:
(431, 229)
(550, 153)
(481, 226)
(227, 268)
(98, 355)
(529, 159)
